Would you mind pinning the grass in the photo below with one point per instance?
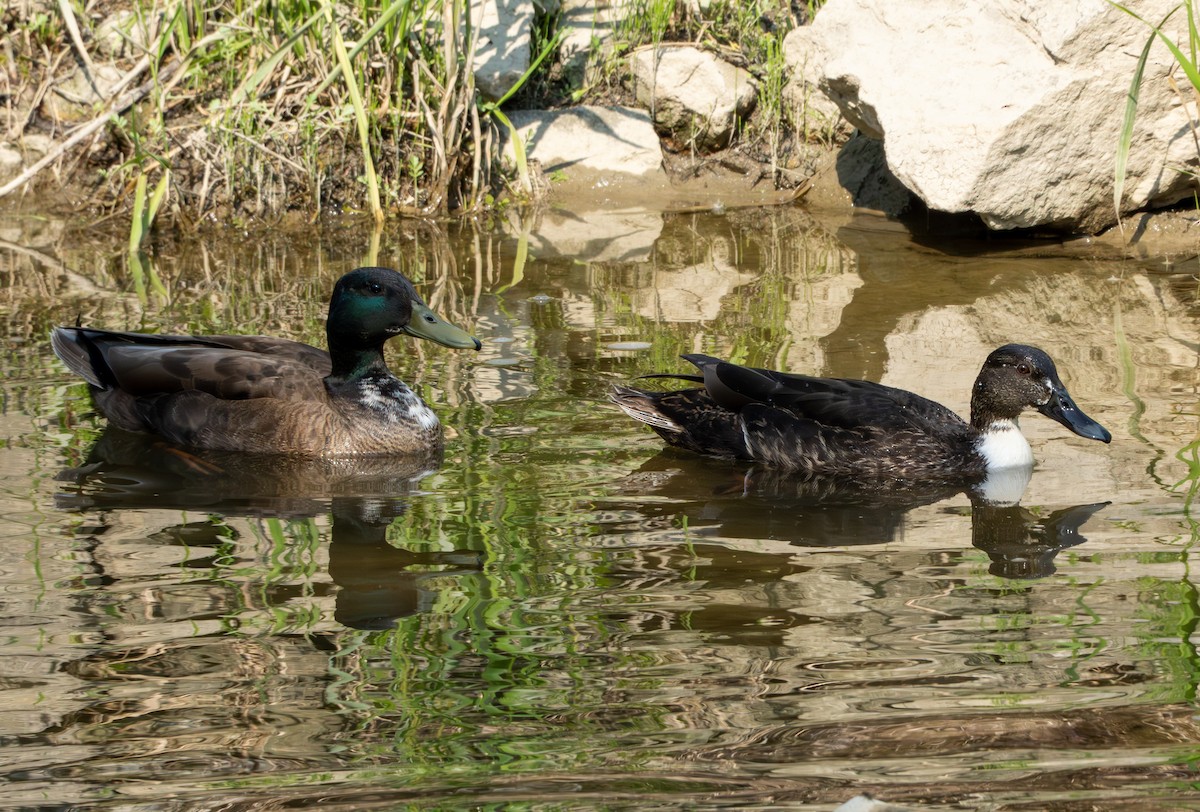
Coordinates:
(236, 110)
(1187, 60)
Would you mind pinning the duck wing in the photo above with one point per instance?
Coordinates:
(226, 367)
(832, 402)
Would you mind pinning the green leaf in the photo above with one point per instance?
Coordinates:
(1125, 139)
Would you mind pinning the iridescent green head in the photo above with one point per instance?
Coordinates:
(370, 305)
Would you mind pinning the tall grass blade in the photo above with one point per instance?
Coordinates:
(250, 85)
(547, 49)
(141, 271)
(493, 108)
(404, 7)
(1125, 140)
(138, 274)
(156, 199)
(360, 117)
(137, 226)
(145, 209)
(519, 156)
(519, 262)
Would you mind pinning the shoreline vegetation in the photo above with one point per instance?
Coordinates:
(245, 110)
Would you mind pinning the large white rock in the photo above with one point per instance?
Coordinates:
(1008, 108)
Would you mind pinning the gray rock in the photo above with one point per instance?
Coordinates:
(1007, 108)
(502, 52)
(589, 233)
(119, 33)
(588, 41)
(35, 145)
(817, 114)
(11, 163)
(693, 94)
(589, 145)
(862, 171)
(865, 803)
(75, 99)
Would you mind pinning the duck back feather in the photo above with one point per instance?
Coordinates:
(851, 428)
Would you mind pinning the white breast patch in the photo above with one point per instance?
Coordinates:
(1004, 446)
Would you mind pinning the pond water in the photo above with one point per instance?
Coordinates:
(561, 614)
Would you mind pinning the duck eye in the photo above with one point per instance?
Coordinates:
(375, 288)
(1023, 369)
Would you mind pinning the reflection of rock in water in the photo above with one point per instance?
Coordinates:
(724, 499)
(362, 496)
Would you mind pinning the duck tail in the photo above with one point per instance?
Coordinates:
(75, 349)
(687, 418)
(642, 406)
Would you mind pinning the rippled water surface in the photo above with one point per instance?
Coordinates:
(561, 615)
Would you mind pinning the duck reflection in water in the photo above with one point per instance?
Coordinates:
(378, 582)
(765, 503)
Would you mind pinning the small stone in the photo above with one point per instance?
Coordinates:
(76, 99)
(10, 163)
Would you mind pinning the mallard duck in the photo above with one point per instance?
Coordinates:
(270, 395)
(859, 429)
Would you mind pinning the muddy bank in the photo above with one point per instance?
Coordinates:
(105, 106)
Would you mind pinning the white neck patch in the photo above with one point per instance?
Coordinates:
(1004, 446)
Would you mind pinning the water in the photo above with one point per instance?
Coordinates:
(562, 615)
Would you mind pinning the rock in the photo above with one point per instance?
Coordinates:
(589, 147)
(865, 803)
(692, 94)
(1003, 107)
(816, 113)
(120, 33)
(588, 42)
(692, 294)
(35, 146)
(502, 52)
(11, 163)
(863, 172)
(75, 99)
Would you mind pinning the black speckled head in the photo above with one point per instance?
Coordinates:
(1016, 377)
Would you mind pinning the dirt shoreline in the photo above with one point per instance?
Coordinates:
(79, 131)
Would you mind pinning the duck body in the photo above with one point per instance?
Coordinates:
(860, 430)
(260, 394)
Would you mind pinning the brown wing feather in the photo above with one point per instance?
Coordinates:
(306, 354)
(223, 373)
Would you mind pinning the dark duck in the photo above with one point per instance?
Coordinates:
(260, 394)
(868, 432)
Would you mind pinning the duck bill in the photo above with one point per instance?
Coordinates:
(429, 325)
(1062, 409)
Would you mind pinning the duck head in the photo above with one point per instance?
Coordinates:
(1016, 377)
(370, 305)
